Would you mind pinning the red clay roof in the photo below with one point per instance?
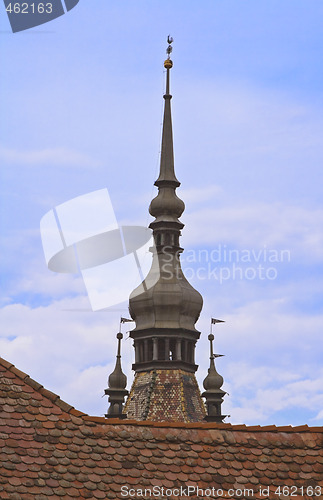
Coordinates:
(50, 450)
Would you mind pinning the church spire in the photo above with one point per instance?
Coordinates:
(165, 306)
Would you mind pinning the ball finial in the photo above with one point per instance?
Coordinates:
(168, 64)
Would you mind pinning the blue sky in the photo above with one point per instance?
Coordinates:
(82, 101)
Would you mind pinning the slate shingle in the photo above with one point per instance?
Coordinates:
(51, 450)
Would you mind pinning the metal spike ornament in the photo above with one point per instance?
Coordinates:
(168, 63)
(169, 49)
(213, 393)
(117, 387)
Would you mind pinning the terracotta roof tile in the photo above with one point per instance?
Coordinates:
(50, 450)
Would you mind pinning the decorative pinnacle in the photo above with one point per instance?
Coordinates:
(211, 338)
(212, 385)
(213, 381)
(212, 355)
(213, 392)
(168, 63)
(117, 382)
(118, 379)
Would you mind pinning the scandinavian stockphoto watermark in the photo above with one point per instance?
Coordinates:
(223, 263)
(26, 14)
(83, 236)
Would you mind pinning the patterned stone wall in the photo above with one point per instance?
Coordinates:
(165, 396)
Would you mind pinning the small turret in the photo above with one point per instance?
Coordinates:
(212, 384)
(117, 387)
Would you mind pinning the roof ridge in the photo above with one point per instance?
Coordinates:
(206, 425)
(55, 398)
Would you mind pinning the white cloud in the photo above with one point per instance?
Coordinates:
(51, 156)
(51, 285)
(199, 195)
(68, 348)
(319, 416)
(65, 347)
(87, 387)
(264, 402)
(256, 225)
(272, 360)
(267, 321)
(239, 121)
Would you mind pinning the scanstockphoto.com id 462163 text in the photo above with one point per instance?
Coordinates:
(214, 491)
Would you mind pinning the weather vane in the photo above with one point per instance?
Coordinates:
(169, 49)
(168, 63)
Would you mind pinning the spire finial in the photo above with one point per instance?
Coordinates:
(169, 50)
(168, 63)
(167, 173)
(117, 383)
(212, 385)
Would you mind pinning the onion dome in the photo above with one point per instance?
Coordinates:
(166, 299)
